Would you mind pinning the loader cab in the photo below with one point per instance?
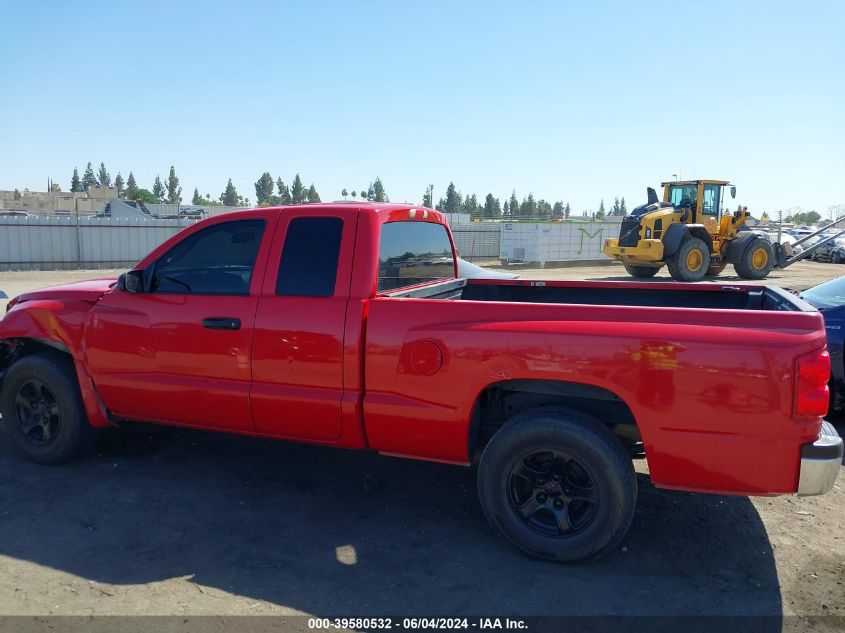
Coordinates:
(701, 199)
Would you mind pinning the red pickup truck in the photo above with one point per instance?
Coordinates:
(346, 325)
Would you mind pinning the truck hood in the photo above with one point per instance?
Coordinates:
(88, 290)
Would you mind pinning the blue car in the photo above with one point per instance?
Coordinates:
(829, 299)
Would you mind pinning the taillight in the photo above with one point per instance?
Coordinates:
(811, 392)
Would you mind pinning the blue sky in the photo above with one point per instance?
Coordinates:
(571, 101)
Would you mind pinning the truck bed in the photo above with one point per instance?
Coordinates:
(705, 370)
(611, 293)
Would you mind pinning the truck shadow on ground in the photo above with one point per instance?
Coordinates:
(333, 532)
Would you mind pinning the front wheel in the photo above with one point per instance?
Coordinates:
(557, 484)
(691, 261)
(641, 271)
(757, 260)
(42, 409)
(836, 258)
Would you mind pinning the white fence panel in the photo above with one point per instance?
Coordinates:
(477, 240)
(555, 241)
(55, 243)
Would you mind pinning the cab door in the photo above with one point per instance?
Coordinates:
(710, 206)
(179, 351)
(298, 348)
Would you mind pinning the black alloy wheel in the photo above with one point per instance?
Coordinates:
(39, 414)
(552, 493)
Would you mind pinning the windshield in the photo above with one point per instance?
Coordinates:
(830, 294)
(683, 195)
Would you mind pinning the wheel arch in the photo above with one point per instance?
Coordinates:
(500, 401)
(676, 234)
(737, 247)
(14, 348)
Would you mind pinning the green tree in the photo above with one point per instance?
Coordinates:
(75, 182)
(600, 213)
(514, 206)
(452, 203)
(528, 208)
(311, 195)
(557, 210)
(507, 209)
(622, 209)
(566, 211)
(145, 195)
(159, 190)
(544, 209)
(174, 191)
(379, 194)
(264, 189)
(197, 199)
(118, 184)
(88, 178)
(354, 194)
(489, 206)
(472, 207)
(131, 187)
(284, 192)
(344, 193)
(297, 191)
(17, 194)
(103, 176)
(363, 194)
(230, 197)
(428, 197)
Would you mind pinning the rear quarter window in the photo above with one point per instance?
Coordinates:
(412, 253)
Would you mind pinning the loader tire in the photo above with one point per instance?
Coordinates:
(691, 261)
(757, 260)
(641, 271)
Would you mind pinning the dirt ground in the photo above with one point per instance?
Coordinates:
(166, 521)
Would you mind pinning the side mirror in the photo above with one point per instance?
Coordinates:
(132, 281)
(733, 192)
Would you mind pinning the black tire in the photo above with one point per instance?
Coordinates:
(757, 260)
(586, 456)
(836, 258)
(641, 271)
(716, 269)
(42, 409)
(692, 249)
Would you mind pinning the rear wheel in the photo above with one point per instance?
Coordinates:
(641, 271)
(691, 261)
(557, 484)
(836, 257)
(757, 260)
(42, 409)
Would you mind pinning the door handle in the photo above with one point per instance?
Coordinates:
(221, 323)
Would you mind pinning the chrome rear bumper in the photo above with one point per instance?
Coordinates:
(820, 462)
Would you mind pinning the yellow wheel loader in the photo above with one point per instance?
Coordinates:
(689, 234)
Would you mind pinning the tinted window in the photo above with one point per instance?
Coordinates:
(308, 267)
(217, 261)
(412, 253)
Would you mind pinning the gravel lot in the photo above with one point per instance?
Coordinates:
(168, 521)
